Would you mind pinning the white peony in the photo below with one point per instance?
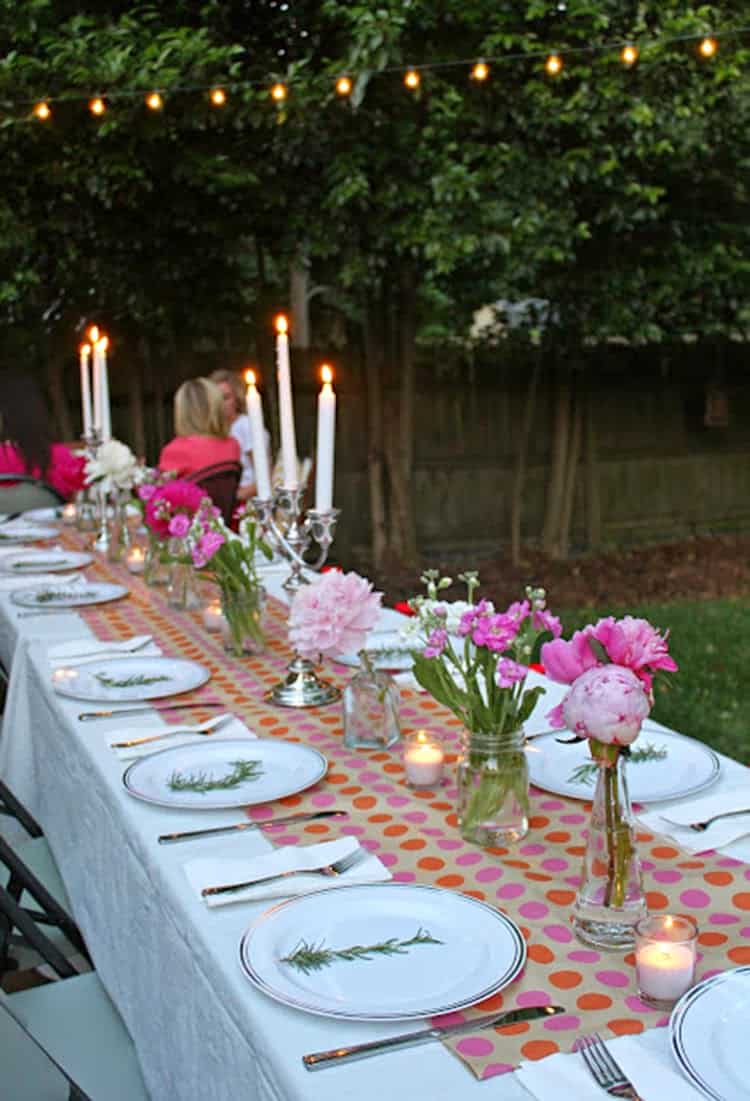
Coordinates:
(114, 464)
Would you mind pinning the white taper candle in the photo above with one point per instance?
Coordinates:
(326, 436)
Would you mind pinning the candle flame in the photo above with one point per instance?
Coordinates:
(278, 92)
(85, 349)
(629, 55)
(103, 344)
(343, 85)
(326, 373)
(412, 79)
(422, 737)
(250, 377)
(93, 334)
(668, 921)
(281, 323)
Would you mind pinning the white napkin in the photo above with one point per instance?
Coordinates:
(736, 797)
(234, 729)
(9, 582)
(79, 651)
(567, 1076)
(210, 872)
(408, 680)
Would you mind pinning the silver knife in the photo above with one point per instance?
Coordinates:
(320, 1059)
(87, 716)
(188, 835)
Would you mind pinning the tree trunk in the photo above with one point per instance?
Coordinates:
(571, 471)
(593, 494)
(558, 463)
(62, 420)
(299, 285)
(519, 474)
(403, 520)
(374, 370)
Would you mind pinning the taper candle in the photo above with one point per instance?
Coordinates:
(286, 406)
(258, 438)
(86, 415)
(326, 436)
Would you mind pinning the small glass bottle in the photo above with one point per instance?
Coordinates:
(371, 700)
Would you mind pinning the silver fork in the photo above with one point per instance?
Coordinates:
(699, 827)
(206, 728)
(337, 867)
(604, 1068)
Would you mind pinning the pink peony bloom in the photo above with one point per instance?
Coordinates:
(168, 500)
(608, 704)
(565, 661)
(436, 643)
(509, 672)
(179, 525)
(206, 548)
(333, 614)
(635, 644)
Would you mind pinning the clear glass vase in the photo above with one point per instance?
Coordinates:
(610, 900)
(242, 630)
(371, 700)
(120, 541)
(182, 586)
(156, 566)
(493, 787)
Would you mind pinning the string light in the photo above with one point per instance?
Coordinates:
(154, 102)
(480, 71)
(629, 55)
(97, 106)
(553, 65)
(708, 47)
(42, 111)
(278, 92)
(412, 79)
(344, 86)
(218, 97)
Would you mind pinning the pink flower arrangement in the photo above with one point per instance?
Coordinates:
(333, 614)
(607, 703)
(172, 508)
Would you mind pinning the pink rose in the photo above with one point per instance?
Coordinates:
(179, 525)
(333, 614)
(608, 703)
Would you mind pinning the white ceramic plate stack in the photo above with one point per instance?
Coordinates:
(93, 592)
(129, 679)
(479, 951)
(708, 1031)
(40, 561)
(20, 532)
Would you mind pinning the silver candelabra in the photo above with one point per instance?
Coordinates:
(292, 537)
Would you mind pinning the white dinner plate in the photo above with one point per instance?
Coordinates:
(708, 1030)
(689, 766)
(39, 561)
(386, 649)
(18, 532)
(43, 515)
(282, 768)
(106, 679)
(479, 952)
(58, 596)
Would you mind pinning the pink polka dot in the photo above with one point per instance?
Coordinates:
(667, 877)
(648, 866)
(584, 955)
(573, 881)
(572, 819)
(635, 1005)
(496, 1068)
(562, 1022)
(286, 838)
(723, 919)
(469, 858)
(552, 804)
(533, 997)
(694, 897)
(555, 864)
(319, 737)
(404, 877)
(432, 832)
(511, 890)
(489, 875)
(395, 800)
(613, 978)
(389, 859)
(447, 845)
(383, 789)
(416, 816)
(533, 910)
(323, 800)
(371, 846)
(365, 777)
(745, 932)
(531, 850)
(559, 933)
(354, 831)
(475, 1045)
(711, 973)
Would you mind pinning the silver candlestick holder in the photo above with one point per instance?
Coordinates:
(103, 541)
(292, 537)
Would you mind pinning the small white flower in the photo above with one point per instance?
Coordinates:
(114, 463)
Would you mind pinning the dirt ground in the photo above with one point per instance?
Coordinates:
(699, 568)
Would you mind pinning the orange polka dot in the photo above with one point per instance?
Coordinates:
(475, 894)
(413, 844)
(561, 897)
(655, 900)
(395, 830)
(353, 789)
(740, 954)
(380, 818)
(557, 836)
(392, 766)
(451, 820)
(441, 806)
(742, 900)
(593, 1001)
(431, 864)
(337, 777)
(710, 940)
(565, 980)
(364, 802)
(622, 1027)
(291, 801)
(538, 877)
(539, 1049)
(450, 881)
(690, 864)
(538, 821)
(540, 953)
(664, 852)
(317, 827)
(497, 850)
(491, 1004)
(576, 850)
(718, 879)
(517, 1029)
(516, 863)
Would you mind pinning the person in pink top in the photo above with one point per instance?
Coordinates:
(26, 445)
(202, 433)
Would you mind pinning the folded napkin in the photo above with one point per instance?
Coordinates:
(9, 582)
(81, 650)
(234, 729)
(736, 797)
(210, 872)
(652, 1074)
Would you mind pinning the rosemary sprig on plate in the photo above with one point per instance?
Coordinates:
(44, 596)
(586, 772)
(308, 957)
(202, 782)
(137, 680)
(37, 563)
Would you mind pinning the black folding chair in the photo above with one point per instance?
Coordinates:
(220, 483)
(20, 492)
(14, 808)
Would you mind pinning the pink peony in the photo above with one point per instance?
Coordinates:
(608, 704)
(169, 499)
(629, 642)
(565, 661)
(333, 614)
(206, 548)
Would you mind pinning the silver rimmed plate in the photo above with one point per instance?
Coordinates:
(687, 767)
(386, 650)
(60, 596)
(472, 952)
(278, 769)
(39, 561)
(128, 679)
(708, 1031)
(14, 533)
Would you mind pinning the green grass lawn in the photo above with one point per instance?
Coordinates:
(709, 698)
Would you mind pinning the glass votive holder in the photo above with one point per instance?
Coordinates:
(212, 616)
(135, 559)
(69, 513)
(424, 759)
(665, 954)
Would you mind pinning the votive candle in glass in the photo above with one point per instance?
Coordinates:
(665, 952)
(423, 759)
(135, 559)
(212, 616)
(69, 513)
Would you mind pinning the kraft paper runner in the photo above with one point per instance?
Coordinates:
(415, 835)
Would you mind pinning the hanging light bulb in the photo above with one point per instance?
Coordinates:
(154, 102)
(708, 47)
(344, 86)
(412, 79)
(629, 55)
(42, 111)
(278, 92)
(553, 65)
(218, 97)
(480, 71)
(97, 106)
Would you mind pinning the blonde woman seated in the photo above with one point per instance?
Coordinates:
(233, 393)
(202, 432)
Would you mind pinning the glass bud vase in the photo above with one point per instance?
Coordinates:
(156, 565)
(493, 787)
(182, 586)
(610, 900)
(370, 705)
(242, 629)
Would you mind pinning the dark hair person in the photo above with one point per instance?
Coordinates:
(27, 446)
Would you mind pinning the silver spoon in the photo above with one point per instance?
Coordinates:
(204, 728)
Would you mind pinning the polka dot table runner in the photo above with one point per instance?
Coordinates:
(415, 834)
